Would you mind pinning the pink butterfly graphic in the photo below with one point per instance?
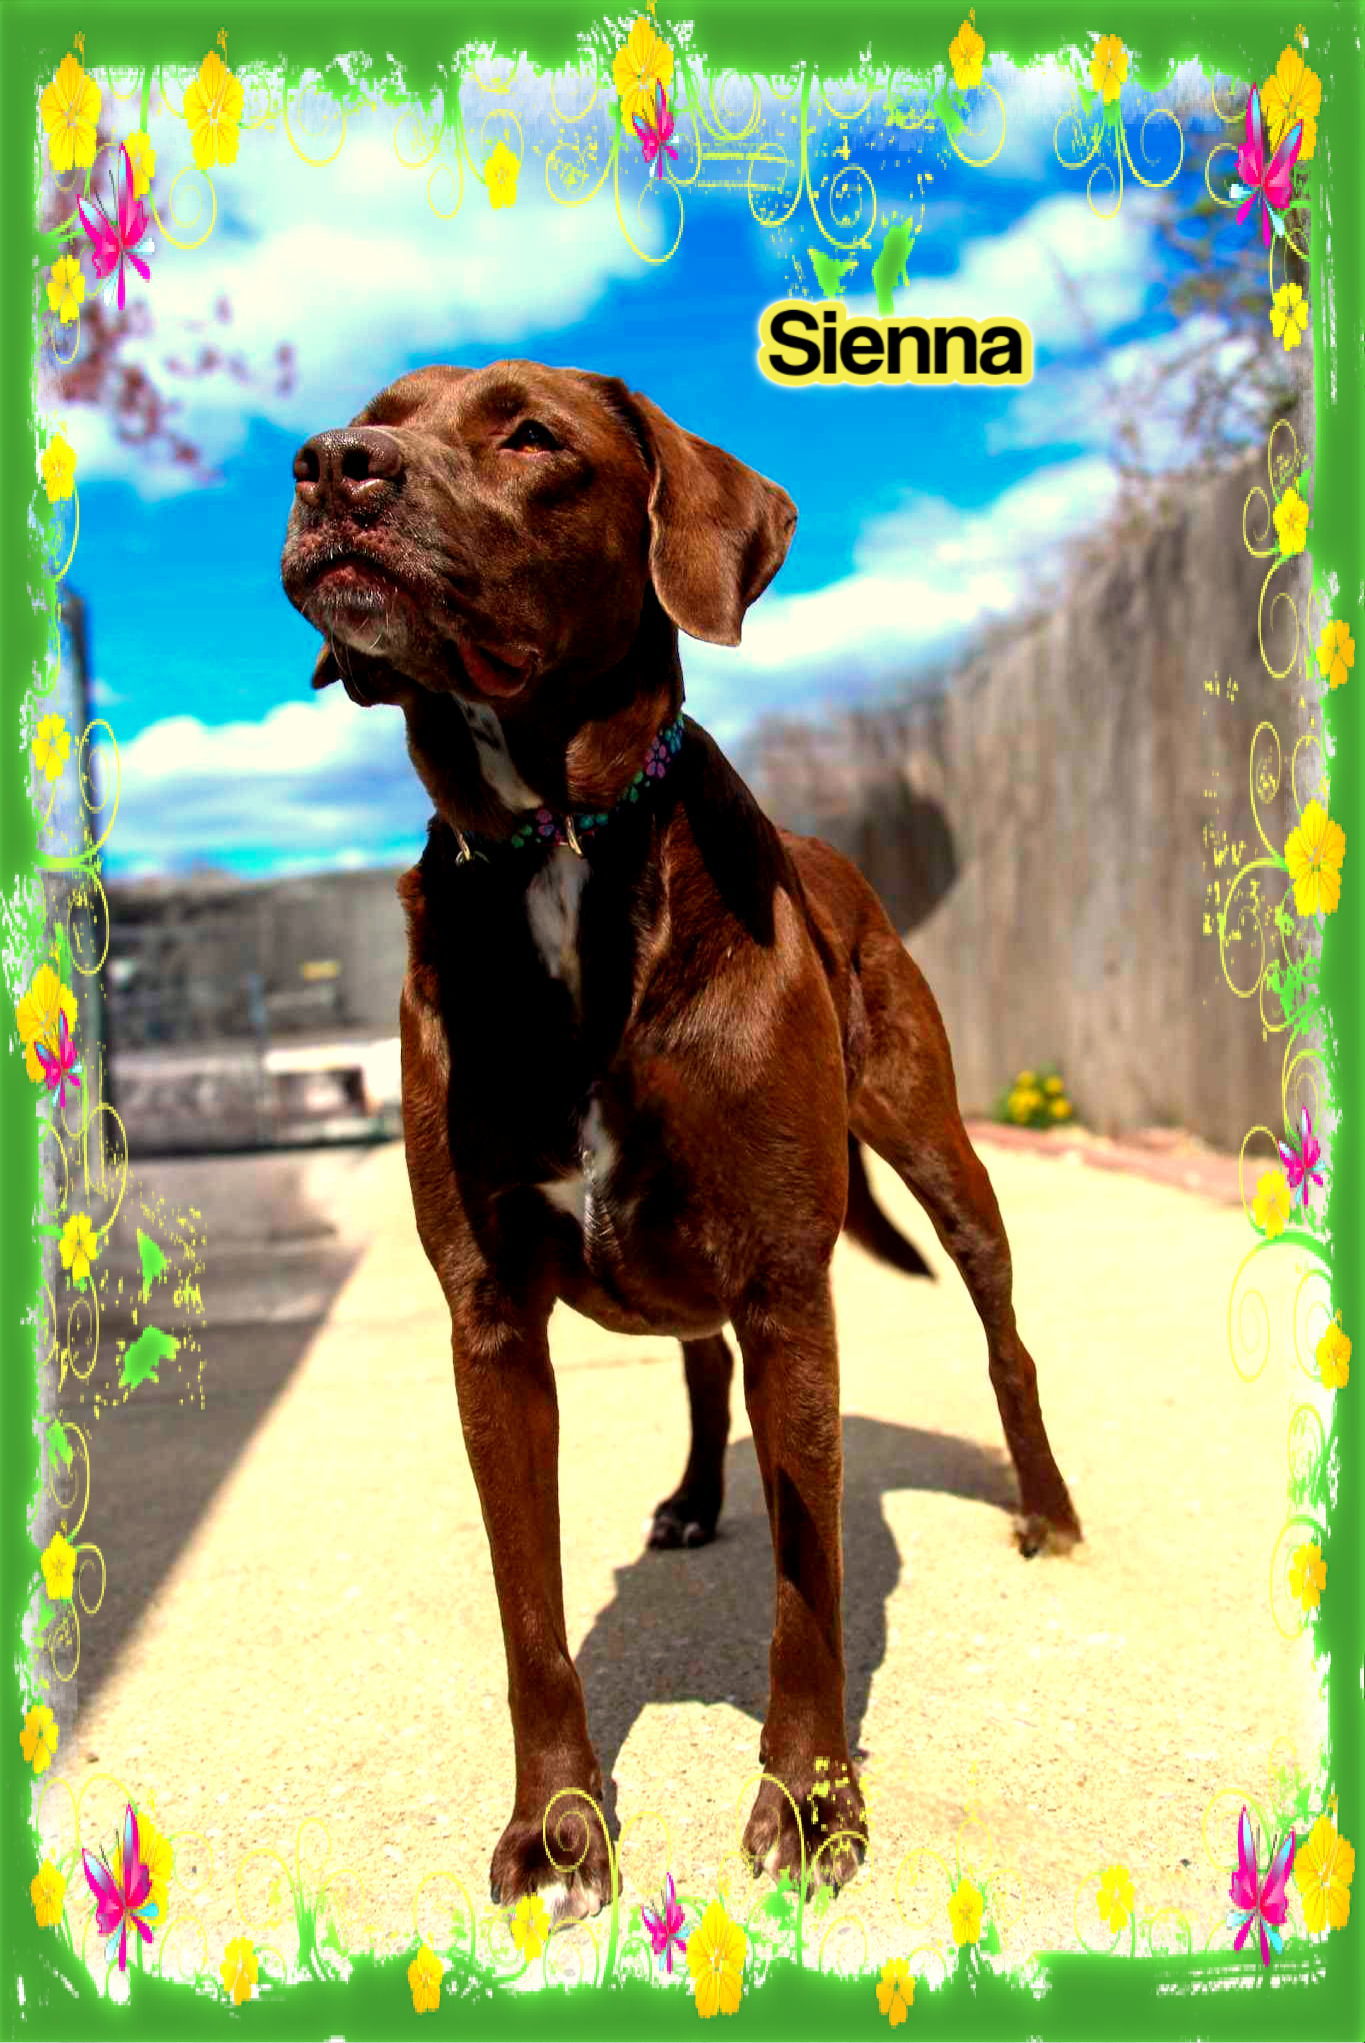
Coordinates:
(125, 1900)
(1262, 1903)
(664, 1926)
(60, 1071)
(1273, 187)
(1300, 1165)
(656, 135)
(110, 245)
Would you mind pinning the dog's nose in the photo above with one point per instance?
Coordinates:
(352, 468)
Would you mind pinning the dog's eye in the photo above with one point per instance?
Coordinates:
(531, 437)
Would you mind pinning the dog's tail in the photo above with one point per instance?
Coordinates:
(870, 1227)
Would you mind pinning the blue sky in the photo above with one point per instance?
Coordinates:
(923, 512)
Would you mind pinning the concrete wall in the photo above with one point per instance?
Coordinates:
(210, 959)
(1080, 764)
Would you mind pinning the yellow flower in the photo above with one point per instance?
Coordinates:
(1025, 1079)
(38, 1739)
(213, 108)
(501, 172)
(1289, 315)
(896, 1987)
(1053, 1085)
(51, 748)
(239, 1969)
(1109, 67)
(1291, 521)
(1060, 1110)
(1314, 852)
(142, 156)
(48, 1889)
(58, 466)
(1292, 93)
(1307, 1575)
(1323, 1869)
(1114, 1897)
(715, 1958)
(1023, 1103)
(1270, 1207)
(158, 1856)
(424, 1977)
(965, 1910)
(39, 1014)
(966, 54)
(643, 62)
(65, 288)
(530, 1926)
(1334, 1357)
(59, 1567)
(78, 1247)
(70, 108)
(1336, 653)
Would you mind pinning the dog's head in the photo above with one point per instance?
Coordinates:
(492, 532)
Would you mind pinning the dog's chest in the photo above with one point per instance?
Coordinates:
(547, 1091)
(554, 902)
(585, 1193)
(554, 908)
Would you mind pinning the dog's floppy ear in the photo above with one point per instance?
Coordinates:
(718, 531)
(365, 679)
(326, 669)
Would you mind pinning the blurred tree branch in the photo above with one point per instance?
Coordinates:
(115, 366)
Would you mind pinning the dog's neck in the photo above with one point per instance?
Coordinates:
(573, 750)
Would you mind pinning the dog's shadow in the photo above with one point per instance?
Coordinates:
(695, 1625)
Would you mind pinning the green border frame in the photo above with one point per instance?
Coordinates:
(1314, 1991)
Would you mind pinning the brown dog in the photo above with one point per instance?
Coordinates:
(640, 1025)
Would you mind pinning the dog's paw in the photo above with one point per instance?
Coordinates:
(832, 1827)
(1035, 1534)
(578, 1885)
(684, 1519)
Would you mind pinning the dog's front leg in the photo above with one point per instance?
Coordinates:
(510, 1416)
(791, 1388)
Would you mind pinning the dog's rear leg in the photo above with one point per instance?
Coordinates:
(690, 1515)
(906, 1109)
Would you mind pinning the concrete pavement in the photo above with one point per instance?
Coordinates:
(320, 1637)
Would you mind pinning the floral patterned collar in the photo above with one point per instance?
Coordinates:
(544, 827)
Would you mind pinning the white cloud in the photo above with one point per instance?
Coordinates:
(313, 783)
(925, 576)
(1055, 260)
(1149, 384)
(351, 266)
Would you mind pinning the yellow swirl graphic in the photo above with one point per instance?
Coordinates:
(426, 137)
(983, 162)
(303, 118)
(195, 240)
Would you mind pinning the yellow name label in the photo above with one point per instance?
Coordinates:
(803, 343)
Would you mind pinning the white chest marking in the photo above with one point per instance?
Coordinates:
(583, 1195)
(495, 761)
(552, 903)
(571, 1197)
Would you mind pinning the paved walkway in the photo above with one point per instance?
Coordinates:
(324, 1639)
